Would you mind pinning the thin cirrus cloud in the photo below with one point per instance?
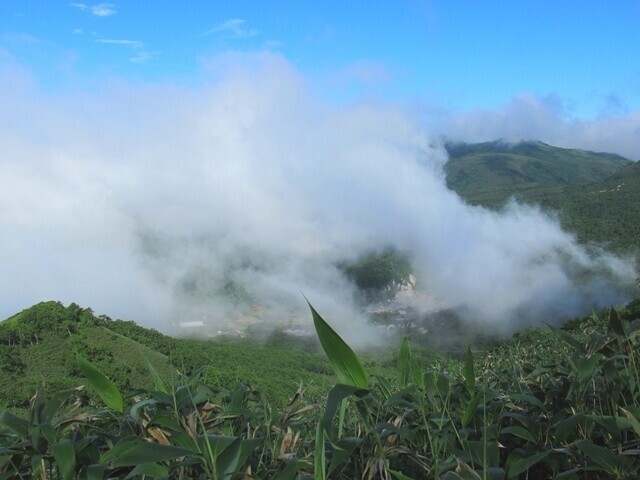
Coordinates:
(126, 43)
(98, 9)
(233, 26)
(140, 54)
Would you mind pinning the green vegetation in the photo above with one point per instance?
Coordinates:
(379, 270)
(38, 345)
(548, 404)
(597, 196)
(498, 166)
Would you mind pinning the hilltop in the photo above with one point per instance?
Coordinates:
(39, 345)
(504, 167)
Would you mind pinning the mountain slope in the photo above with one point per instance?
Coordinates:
(596, 195)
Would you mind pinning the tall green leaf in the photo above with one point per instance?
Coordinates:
(337, 395)
(104, 387)
(65, 457)
(469, 372)
(343, 360)
(404, 363)
(319, 460)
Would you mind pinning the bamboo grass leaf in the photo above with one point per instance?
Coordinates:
(104, 387)
(517, 464)
(158, 383)
(344, 361)
(521, 432)
(18, 425)
(342, 450)
(586, 367)
(635, 423)
(151, 470)
(137, 452)
(470, 409)
(404, 363)
(65, 457)
(228, 460)
(602, 456)
(337, 394)
(319, 460)
(566, 337)
(400, 475)
(96, 472)
(469, 372)
(567, 427)
(290, 472)
(615, 323)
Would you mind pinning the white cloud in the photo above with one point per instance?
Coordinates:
(98, 9)
(147, 202)
(126, 43)
(549, 119)
(103, 9)
(140, 54)
(272, 45)
(234, 26)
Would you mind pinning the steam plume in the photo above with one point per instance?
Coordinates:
(160, 202)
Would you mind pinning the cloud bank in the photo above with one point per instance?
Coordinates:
(528, 117)
(161, 203)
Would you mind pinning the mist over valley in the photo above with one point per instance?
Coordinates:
(225, 202)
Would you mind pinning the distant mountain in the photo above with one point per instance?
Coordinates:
(597, 195)
(498, 165)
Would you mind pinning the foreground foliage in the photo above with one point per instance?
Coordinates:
(551, 404)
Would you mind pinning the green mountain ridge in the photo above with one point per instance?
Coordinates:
(494, 165)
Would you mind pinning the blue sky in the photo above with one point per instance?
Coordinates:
(452, 54)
